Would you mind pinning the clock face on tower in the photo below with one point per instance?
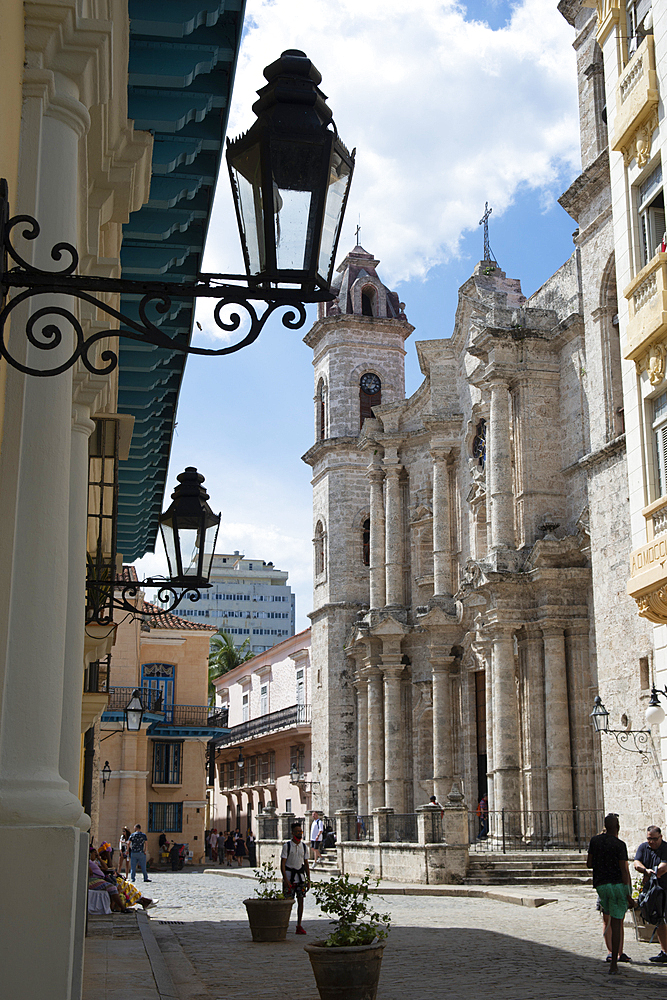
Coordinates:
(370, 383)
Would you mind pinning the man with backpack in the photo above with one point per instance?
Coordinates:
(651, 859)
(608, 857)
(295, 872)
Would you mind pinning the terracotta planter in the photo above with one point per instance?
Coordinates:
(268, 918)
(346, 973)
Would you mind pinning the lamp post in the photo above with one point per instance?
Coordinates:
(639, 738)
(106, 774)
(134, 712)
(290, 177)
(655, 714)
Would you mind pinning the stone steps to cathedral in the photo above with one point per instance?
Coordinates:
(528, 869)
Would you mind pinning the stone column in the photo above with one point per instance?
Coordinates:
(499, 468)
(346, 825)
(394, 774)
(375, 739)
(377, 566)
(394, 536)
(530, 650)
(585, 747)
(37, 808)
(361, 687)
(429, 824)
(442, 721)
(559, 762)
(503, 711)
(442, 542)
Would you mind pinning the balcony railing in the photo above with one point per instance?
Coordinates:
(196, 716)
(295, 715)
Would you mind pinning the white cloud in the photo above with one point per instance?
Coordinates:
(445, 113)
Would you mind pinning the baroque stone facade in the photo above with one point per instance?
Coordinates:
(471, 542)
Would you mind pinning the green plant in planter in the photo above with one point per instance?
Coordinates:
(349, 903)
(268, 882)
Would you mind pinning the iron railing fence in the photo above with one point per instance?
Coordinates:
(96, 676)
(509, 830)
(364, 827)
(177, 715)
(293, 716)
(403, 828)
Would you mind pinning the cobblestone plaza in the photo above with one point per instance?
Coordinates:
(439, 946)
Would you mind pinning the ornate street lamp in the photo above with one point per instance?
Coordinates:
(600, 716)
(189, 531)
(655, 714)
(639, 738)
(106, 774)
(290, 176)
(240, 762)
(134, 712)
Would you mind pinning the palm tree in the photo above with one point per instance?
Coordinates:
(223, 657)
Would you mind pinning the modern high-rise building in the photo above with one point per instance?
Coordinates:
(250, 599)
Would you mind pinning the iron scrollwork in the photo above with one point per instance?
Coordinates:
(639, 738)
(101, 602)
(45, 327)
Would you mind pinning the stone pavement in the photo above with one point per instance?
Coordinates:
(439, 946)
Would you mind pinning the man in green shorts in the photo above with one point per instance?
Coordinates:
(608, 857)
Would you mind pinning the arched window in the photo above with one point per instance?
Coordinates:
(318, 544)
(321, 410)
(366, 542)
(370, 395)
(368, 298)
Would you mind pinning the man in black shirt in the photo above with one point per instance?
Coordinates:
(608, 857)
(651, 859)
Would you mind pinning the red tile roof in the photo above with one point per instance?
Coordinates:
(155, 617)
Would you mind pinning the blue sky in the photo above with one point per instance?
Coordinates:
(448, 106)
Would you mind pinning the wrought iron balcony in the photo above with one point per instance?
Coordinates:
(173, 715)
(295, 715)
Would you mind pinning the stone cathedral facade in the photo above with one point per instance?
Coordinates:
(471, 541)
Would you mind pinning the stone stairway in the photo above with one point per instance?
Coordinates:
(326, 866)
(552, 868)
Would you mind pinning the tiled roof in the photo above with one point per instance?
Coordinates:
(128, 574)
(157, 618)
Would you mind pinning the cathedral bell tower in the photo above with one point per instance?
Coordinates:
(358, 358)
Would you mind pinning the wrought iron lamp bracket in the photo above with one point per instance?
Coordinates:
(169, 595)
(48, 326)
(640, 739)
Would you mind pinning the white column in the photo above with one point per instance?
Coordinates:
(559, 762)
(498, 467)
(442, 542)
(70, 742)
(443, 775)
(394, 536)
(377, 567)
(37, 808)
(394, 736)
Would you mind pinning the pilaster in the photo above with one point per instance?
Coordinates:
(504, 713)
(393, 535)
(559, 763)
(499, 467)
(377, 540)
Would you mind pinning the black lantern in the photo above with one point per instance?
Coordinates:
(655, 713)
(106, 774)
(189, 531)
(241, 761)
(134, 713)
(290, 176)
(600, 716)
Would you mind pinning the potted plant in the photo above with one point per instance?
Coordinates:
(347, 963)
(268, 911)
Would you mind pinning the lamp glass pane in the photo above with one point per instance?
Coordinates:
(296, 173)
(339, 179)
(247, 176)
(134, 719)
(189, 538)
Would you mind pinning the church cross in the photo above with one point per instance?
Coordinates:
(356, 233)
(484, 221)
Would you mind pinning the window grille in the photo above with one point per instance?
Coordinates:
(167, 763)
(167, 816)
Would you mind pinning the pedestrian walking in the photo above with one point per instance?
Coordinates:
(239, 849)
(124, 851)
(295, 872)
(213, 844)
(608, 857)
(651, 859)
(138, 853)
(251, 847)
(483, 813)
(229, 849)
(316, 835)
